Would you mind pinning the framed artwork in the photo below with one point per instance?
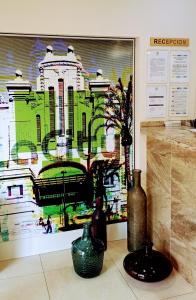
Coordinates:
(60, 145)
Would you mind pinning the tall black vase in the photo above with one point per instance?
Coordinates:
(87, 254)
(136, 214)
(99, 228)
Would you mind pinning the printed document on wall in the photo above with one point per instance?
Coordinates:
(157, 66)
(156, 101)
(179, 66)
(178, 104)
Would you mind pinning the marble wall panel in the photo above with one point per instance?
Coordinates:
(171, 191)
(184, 259)
(159, 193)
(183, 210)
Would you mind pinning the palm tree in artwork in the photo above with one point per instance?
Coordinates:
(118, 113)
(103, 170)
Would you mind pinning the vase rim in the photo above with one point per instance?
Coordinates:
(137, 170)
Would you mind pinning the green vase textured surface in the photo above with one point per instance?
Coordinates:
(87, 254)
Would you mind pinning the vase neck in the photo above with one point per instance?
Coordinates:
(136, 177)
(99, 203)
(86, 231)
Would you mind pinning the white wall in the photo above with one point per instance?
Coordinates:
(124, 18)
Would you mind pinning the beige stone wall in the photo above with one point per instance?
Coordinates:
(171, 190)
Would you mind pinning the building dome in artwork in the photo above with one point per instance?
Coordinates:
(49, 48)
(18, 73)
(51, 59)
(66, 67)
(99, 72)
(99, 83)
(70, 49)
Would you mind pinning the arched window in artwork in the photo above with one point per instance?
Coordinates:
(52, 108)
(38, 124)
(61, 105)
(84, 125)
(15, 191)
(71, 110)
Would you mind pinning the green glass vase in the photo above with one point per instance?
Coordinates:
(87, 254)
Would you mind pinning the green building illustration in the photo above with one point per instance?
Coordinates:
(55, 139)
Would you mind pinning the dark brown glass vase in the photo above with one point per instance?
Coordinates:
(136, 214)
(147, 264)
(99, 222)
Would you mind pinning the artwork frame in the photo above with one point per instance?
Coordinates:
(23, 162)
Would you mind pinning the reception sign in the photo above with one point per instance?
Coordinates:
(169, 42)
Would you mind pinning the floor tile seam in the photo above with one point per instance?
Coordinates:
(110, 257)
(118, 269)
(133, 290)
(21, 276)
(162, 298)
(45, 270)
(176, 295)
(184, 294)
(47, 288)
(136, 297)
(54, 269)
(18, 258)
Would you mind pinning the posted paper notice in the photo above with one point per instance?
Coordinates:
(178, 104)
(157, 66)
(156, 101)
(179, 66)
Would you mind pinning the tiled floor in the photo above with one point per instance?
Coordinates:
(51, 276)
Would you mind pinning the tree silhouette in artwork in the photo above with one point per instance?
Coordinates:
(102, 170)
(118, 114)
